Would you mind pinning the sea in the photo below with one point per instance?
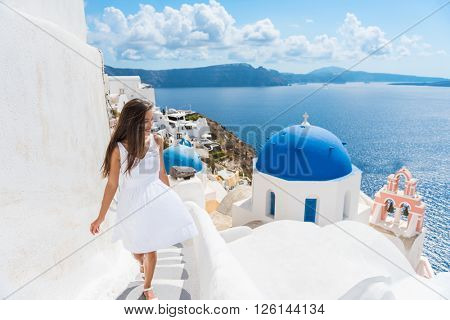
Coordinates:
(384, 127)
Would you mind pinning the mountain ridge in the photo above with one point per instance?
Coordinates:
(245, 75)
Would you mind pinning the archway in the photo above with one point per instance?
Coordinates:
(405, 209)
(389, 207)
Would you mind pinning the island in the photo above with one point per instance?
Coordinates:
(245, 75)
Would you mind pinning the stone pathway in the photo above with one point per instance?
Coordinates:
(175, 276)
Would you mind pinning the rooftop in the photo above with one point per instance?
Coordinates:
(304, 153)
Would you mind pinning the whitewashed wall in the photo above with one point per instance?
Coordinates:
(189, 190)
(54, 132)
(66, 14)
(241, 212)
(220, 274)
(290, 198)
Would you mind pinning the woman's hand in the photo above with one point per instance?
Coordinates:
(95, 225)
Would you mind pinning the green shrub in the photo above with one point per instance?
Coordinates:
(193, 117)
(217, 154)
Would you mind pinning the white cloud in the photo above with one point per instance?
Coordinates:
(300, 47)
(416, 45)
(202, 31)
(130, 54)
(115, 19)
(262, 31)
(358, 40)
(149, 34)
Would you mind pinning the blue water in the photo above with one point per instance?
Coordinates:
(385, 127)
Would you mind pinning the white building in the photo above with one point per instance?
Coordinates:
(124, 88)
(303, 173)
(174, 124)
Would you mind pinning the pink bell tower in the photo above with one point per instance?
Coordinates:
(399, 211)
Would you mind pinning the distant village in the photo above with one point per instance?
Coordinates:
(188, 136)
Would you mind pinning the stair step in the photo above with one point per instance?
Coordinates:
(170, 261)
(171, 272)
(171, 280)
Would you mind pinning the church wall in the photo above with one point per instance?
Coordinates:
(291, 196)
(352, 186)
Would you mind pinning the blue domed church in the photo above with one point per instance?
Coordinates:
(181, 155)
(303, 173)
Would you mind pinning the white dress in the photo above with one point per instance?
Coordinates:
(150, 215)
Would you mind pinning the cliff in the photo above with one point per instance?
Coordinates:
(226, 75)
(235, 154)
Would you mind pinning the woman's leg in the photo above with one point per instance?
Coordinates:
(140, 258)
(149, 269)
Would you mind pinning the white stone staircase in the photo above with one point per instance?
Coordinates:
(175, 276)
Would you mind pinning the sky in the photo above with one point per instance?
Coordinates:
(285, 35)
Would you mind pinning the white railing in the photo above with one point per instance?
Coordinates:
(220, 274)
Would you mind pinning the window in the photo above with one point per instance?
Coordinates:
(310, 210)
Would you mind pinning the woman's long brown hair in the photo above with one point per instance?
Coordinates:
(130, 127)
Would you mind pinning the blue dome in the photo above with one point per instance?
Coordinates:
(181, 155)
(185, 142)
(304, 153)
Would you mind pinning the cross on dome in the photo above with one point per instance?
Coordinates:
(305, 120)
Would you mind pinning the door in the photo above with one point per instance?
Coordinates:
(310, 210)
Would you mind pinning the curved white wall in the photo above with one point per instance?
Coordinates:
(221, 275)
(189, 190)
(54, 132)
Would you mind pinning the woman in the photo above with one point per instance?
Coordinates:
(150, 215)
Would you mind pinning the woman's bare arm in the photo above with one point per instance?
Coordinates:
(162, 173)
(112, 184)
